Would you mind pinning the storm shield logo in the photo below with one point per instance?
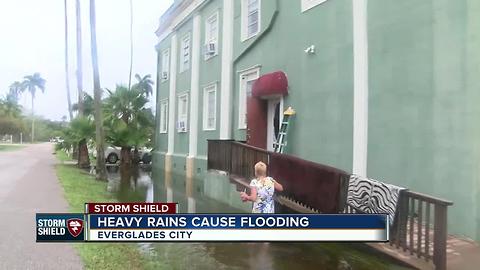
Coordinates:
(75, 226)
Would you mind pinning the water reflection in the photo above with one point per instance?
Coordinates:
(205, 195)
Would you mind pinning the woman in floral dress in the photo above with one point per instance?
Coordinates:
(262, 189)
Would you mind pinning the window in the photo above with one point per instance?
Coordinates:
(165, 65)
(250, 18)
(163, 116)
(182, 113)
(308, 4)
(185, 53)
(247, 79)
(210, 107)
(211, 36)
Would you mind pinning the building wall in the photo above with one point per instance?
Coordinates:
(209, 74)
(320, 85)
(423, 111)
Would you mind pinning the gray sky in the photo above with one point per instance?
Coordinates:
(32, 40)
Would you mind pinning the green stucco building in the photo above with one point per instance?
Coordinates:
(382, 88)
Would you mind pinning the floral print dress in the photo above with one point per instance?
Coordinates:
(264, 203)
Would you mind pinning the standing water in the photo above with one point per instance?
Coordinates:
(207, 196)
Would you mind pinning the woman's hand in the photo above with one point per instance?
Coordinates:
(244, 196)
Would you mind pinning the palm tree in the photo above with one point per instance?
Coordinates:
(88, 106)
(129, 123)
(97, 91)
(31, 83)
(67, 79)
(83, 160)
(79, 58)
(16, 88)
(144, 84)
(10, 107)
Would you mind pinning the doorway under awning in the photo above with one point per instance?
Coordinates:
(271, 84)
(264, 109)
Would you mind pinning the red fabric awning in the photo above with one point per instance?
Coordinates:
(274, 83)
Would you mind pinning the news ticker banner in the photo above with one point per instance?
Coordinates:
(158, 222)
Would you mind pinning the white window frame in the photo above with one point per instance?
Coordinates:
(163, 116)
(244, 20)
(182, 116)
(208, 38)
(165, 65)
(251, 74)
(206, 106)
(308, 4)
(185, 58)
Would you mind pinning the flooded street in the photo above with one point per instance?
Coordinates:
(196, 196)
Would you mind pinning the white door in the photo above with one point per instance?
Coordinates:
(275, 116)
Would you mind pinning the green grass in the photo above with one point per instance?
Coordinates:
(6, 147)
(80, 188)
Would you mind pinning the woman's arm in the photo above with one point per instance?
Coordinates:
(277, 185)
(252, 197)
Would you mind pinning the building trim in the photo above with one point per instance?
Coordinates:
(309, 4)
(360, 87)
(160, 102)
(244, 21)
(211, 87)
(253, 70)
(194, 85)
(206, 41)
(162, 32)
(226, 73)
(186, 95)
(172, 95)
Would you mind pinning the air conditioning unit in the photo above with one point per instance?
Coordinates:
(182, 126)
(210, 48)
(165, 75)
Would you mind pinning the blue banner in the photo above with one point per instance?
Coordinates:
(240, 221)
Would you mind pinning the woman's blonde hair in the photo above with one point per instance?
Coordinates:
(260, 169)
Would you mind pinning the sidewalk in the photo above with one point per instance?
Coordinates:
(28, 185)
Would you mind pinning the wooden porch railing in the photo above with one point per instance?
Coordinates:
(420, 225)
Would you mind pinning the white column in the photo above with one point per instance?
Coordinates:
(194, 87)
(226, 75)
(172, 96)
(360, 87)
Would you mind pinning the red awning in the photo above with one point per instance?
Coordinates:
(274, 83)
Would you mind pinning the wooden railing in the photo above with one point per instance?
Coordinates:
(234, 157)
(420, 225)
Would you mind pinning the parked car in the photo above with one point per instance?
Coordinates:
(112, 154)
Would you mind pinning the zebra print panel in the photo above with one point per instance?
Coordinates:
(372, 196)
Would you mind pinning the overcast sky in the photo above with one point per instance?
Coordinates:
(32, 40)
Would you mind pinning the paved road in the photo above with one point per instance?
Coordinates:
(28, 184)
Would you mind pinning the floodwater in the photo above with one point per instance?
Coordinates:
(192, 197)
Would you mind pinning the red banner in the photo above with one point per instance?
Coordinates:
(131, 208)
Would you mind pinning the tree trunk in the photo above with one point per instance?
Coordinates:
(97, 96)
(33, 120)
(79, 59)
(136, 156)
(131, 46)
(125, 166)
(126, 156)
(67, 78)
(83, 158)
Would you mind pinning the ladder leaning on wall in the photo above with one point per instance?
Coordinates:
(281, 141)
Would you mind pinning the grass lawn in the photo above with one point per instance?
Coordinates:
(7, 147)
(80, 188)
